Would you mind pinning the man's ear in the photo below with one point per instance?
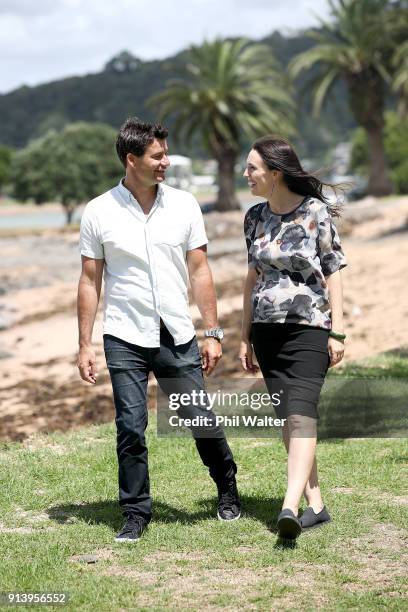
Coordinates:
(130, 160)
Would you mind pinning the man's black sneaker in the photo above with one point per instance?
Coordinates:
(132, 529)
(289, 526)
(229, 507)
(311, 519)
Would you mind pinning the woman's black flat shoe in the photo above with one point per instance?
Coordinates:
(289, 527)
(310, 519)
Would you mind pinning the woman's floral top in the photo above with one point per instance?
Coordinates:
(293, 253)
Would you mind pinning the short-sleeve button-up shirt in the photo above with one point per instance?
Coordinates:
(145, 274)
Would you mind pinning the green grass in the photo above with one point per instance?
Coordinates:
(393, 364)
(58, 502)
(63, 495)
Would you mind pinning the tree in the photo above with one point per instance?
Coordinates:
(5, 162)
(396, 148)
(358, 46)
(400, 84)
(228, 90)
(71, 166)
(123, 62)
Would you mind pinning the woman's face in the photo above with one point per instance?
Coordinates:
(261, 179)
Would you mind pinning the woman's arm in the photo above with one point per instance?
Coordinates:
(334, 284)
(250, 282)
(335, 287)
(245, 353)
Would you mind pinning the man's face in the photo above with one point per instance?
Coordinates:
(150, 168)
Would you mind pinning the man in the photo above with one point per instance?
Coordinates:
(149, 239)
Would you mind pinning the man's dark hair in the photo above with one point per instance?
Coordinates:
(135, 136)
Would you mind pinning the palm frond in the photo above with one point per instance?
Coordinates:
(323, 88)
(331, 54)
(232, 88)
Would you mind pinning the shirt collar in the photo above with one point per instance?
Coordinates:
(128, 196)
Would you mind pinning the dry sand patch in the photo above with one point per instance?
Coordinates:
(198, 586)
(34, 522)
(398, 500)
(101, 554)
(171, 557)
(381, 557)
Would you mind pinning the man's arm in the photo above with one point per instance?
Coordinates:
(202, 287)
(89, 290)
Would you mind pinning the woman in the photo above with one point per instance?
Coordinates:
(293, 312)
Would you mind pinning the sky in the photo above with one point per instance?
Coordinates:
(45, 40)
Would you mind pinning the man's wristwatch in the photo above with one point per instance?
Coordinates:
(214, 332)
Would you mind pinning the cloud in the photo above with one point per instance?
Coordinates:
(28, 7)
(45, 40)
(260, 4)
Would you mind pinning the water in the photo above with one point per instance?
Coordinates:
(38, 219)
(43, 218)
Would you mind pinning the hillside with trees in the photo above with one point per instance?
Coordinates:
(126, 83)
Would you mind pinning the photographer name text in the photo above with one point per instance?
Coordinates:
(227, 421)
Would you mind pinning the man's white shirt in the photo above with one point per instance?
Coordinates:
(145, 274)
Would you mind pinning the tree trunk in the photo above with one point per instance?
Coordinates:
(226, 198)
(69, 211)
(367, 102)
(379, 183)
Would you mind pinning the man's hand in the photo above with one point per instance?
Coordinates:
(87, 364)
(211, 353)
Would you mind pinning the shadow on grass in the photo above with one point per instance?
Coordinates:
(108, 512)
(401, 353)
(94, 513)
(266, 510)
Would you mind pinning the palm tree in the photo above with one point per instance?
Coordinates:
(229, 90)
(358, 46)
(400, 84)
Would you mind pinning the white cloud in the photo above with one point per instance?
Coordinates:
(28, 7)
(42, 41)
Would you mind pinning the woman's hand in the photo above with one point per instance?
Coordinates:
(245, 356)
(336, 351)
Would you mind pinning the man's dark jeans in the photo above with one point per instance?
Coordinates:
(129, 366)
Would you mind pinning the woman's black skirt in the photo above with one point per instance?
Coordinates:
(294, 360)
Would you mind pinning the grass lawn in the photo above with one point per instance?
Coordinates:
(59, 515)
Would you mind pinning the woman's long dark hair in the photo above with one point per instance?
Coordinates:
(278, 154)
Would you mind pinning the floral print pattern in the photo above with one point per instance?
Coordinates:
(293, 255)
